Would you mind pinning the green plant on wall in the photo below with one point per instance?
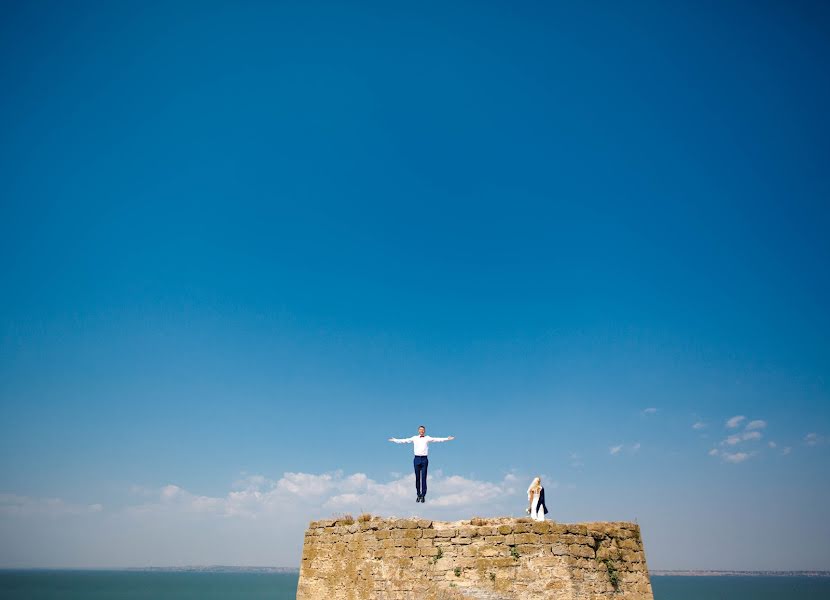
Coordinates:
(514, 553)
(457, 571)
(613, 575)
(438, 556)
(492, 577)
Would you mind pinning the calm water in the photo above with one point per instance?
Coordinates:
(740, 588)
(127, 585)
(120, 585)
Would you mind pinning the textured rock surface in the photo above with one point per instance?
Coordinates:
(495, 559)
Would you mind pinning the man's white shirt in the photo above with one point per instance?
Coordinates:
(420, 444)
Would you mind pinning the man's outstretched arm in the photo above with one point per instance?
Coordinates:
(401, 441)
(446, 439)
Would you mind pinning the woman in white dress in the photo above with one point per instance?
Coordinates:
(536, 500)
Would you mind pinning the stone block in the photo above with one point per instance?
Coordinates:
(540, 528)
(525, 538)
(445, 533)
(577, 529)
(494, 539)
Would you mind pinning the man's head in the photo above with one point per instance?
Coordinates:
(422, 430)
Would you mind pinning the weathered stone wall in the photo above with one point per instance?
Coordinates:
(497, 559)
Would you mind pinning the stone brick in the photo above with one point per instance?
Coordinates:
(540, 527)
(525, 538)
(494, 539)
(445, 533)
(467, 532)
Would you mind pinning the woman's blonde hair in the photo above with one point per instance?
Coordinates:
(536, 484)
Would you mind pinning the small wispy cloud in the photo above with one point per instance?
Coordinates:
(698, 425)
(650, 411)
(736, 457)
(756, 424)
(629, 448)
(813, 439)
(786, 451)
(735, 421)
(772, 445)
(737, 438)
(730, 456)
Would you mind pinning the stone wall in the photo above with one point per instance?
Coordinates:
(497, 559)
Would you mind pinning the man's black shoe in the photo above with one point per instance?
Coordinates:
(418, 499)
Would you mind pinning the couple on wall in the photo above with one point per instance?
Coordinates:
(535, 493)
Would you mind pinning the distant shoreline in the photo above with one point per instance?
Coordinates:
(694, 573)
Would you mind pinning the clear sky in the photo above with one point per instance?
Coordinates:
(245, 243)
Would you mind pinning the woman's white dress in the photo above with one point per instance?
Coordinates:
(537, 513)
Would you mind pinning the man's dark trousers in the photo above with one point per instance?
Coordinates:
(421, 464)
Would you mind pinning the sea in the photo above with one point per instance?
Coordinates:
(150, 585)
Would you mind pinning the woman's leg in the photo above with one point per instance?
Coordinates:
(537, 513)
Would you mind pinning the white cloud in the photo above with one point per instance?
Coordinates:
(631, 449)
(786, 451)
(772, 444)
(757, 424)
(699, 425)
(737, 457)
(737, 438)
(714, 452)
(330, 493)
(650, 411)
(735, 421)
(813, 439)
(174, 525)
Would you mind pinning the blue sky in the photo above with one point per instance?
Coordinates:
(245, 243)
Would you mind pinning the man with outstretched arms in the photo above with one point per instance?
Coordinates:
(420, 443)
